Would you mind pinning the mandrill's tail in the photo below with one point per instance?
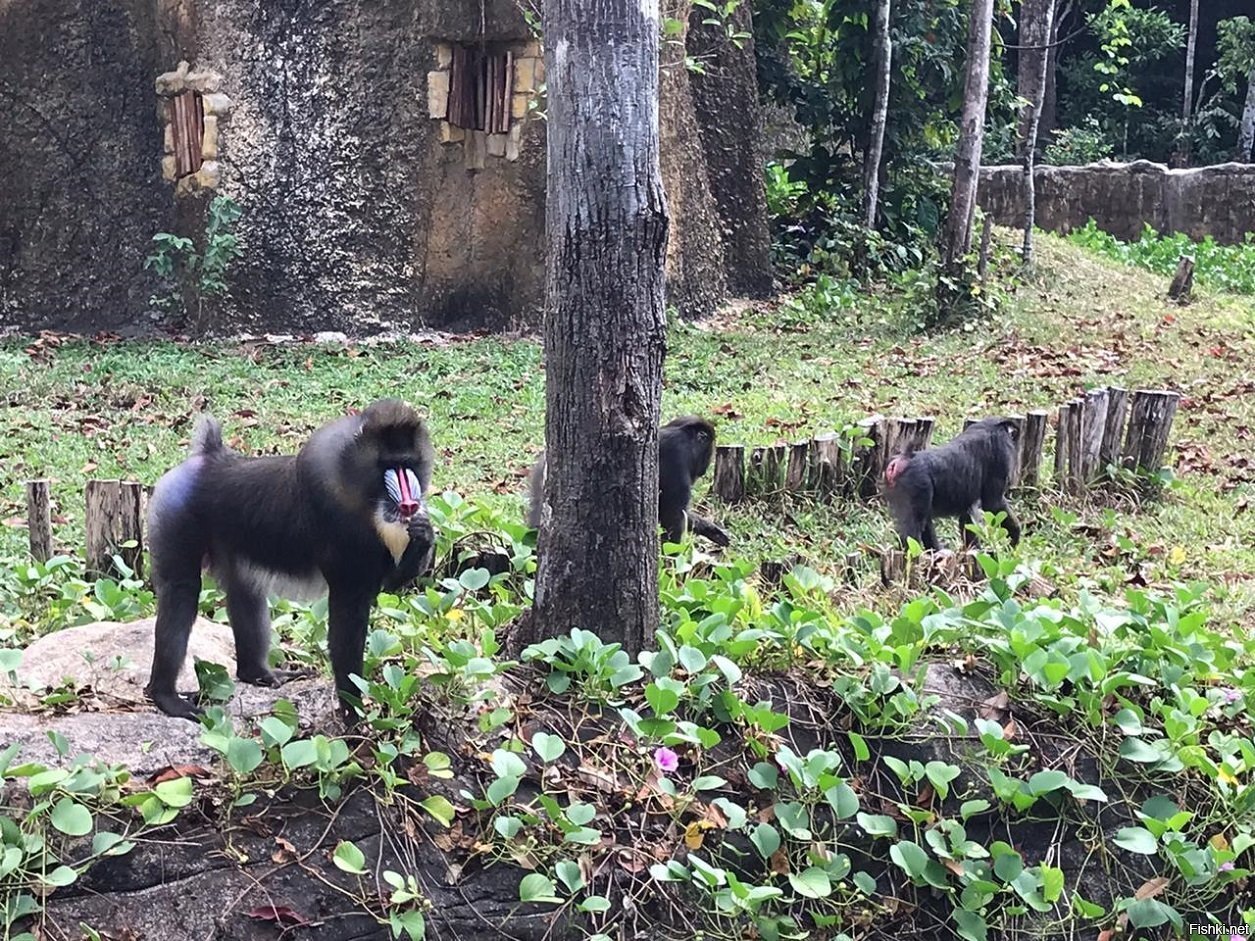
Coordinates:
(207, 436)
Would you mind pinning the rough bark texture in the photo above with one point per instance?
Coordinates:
(1246, 131)
(695, 272)
(882, 57)
(605, 327)
(956, 234)
(1187, 102)
(1218, 201)
(730, 119)
(1036, 28)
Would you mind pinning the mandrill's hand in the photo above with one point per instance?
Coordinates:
(417, 557)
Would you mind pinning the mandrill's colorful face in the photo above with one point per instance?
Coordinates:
(402, 487)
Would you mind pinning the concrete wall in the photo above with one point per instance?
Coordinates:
(1218, 201)
(80, 186)
(362, 209)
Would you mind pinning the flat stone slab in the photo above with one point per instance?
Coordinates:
(108, 664)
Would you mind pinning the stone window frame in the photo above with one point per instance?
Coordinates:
(215, 110)
(526, 76)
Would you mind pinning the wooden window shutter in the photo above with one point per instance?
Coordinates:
(187, 121)
(480, 86)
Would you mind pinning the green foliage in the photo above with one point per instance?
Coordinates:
(55, 823)
(198, 278)
(813, 59)
(1229, 268)
(1077, 146)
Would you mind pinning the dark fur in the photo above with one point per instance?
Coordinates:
(963, 477)
(313, 519)
(685, 449)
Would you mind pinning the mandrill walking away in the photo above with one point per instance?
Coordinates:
(344, 517)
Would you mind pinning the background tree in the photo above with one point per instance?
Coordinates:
(956, 233)
(605, 324)
(1036, 28)
(882, 58)
(1236, 63)
(1187, 103)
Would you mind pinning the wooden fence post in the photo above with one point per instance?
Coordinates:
(1093, 427)
(797, 475)
(114, 516)
(1031, 444)
(39, 519)
(830, 463)
(729, 485)
(867, 458)
(1150, 421)
(1113, 434)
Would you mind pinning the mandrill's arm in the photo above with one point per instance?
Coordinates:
(417, 557)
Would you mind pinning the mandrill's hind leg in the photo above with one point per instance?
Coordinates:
(177, 600)
(249, 614)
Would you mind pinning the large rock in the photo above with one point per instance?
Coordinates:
(114, 659)
(107, 664)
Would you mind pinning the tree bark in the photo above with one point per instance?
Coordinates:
(1246, 132)
(1036, 28)
(605, 325)
(956, 234)
(1050, 101)
(1187, 105)
(882, 57)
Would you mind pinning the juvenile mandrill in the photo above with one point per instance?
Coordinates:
(343, 517)
(685, 448)
(967, 474)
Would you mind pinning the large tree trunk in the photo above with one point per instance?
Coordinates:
(1246, 132)
(882, 56)
(730, 121)
(1036, 28)
(605, 325)
(956, 234)
(1187, 105)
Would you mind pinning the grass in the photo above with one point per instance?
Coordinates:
(1145, 693)
(77, 408)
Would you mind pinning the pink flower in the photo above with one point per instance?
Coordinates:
(666, 760)
(1230, 695)
(1226, 867)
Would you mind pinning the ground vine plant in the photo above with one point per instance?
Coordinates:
(772, 766)
(1229, 268)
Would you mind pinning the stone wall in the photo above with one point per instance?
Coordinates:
(1121, 198)
(80, 187)
(364, 207)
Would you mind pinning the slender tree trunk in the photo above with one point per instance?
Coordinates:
(956, 233)
(605, 325)
(1246, 132)
(1036, 27)
(882, 58)
(1050, 102)
(1187, 104)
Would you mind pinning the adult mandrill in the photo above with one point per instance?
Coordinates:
(967, 474)
(344, 517)
(685, 448)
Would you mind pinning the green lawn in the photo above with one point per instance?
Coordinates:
(78, 409)
(1108, 778)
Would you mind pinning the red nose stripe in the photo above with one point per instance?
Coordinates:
(407, 504)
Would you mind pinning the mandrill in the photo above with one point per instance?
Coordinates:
(343, 517)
